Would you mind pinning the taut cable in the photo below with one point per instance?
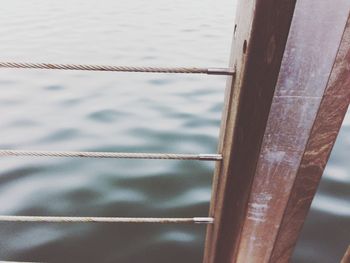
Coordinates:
(117, 155)
(63, 219)
(183, 70)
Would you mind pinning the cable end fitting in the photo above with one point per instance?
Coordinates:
(210, 157)
(221, 71)
(203, 220)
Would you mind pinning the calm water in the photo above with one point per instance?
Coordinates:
(53, 110)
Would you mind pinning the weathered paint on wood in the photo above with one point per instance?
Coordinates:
(260, 37)
(323, 135)
(313, 42)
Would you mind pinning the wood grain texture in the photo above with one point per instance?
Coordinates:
(323, 135)
(261, 31)
(313, 42)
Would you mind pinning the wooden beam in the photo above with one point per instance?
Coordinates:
(316, 32)
(322, 138)
(267, 123)
(260, 36)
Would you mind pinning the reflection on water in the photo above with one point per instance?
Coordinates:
(53, 110)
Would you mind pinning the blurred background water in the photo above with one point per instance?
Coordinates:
(92, 111)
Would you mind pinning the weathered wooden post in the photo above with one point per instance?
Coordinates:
(283, 110)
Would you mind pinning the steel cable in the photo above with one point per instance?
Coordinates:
(63, 219)
(184, 70)
(118, 155)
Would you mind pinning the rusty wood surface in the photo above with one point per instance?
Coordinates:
(346, 258)
(323, 135)
(260, 36)
(316, 32)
